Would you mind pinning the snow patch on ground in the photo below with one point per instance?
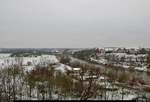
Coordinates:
(63, 67)
(141, 68)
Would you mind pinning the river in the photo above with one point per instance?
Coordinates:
(142, 75)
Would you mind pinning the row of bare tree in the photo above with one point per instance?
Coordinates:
(46, 83)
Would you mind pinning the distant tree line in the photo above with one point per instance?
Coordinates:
(24, 54)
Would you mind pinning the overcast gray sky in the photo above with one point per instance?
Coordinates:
(74, 23)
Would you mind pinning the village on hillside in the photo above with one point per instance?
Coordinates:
(129, 58)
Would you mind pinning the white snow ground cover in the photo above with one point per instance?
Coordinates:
(63, 67)
(44, 59)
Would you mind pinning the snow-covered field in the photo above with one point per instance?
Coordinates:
(4, 55)
(6, 60)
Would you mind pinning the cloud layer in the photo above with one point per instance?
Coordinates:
(74, 23)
